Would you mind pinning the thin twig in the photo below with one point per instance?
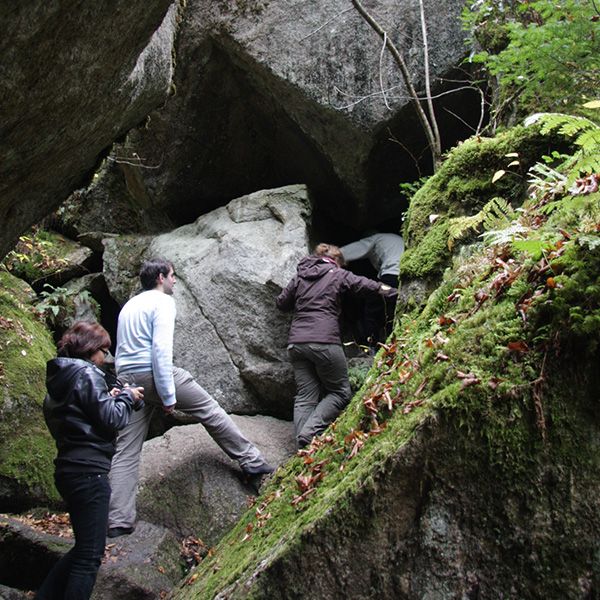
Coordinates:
(324, 24)
(415, 159)
(360, 99)
(125, 161)
(381, 71)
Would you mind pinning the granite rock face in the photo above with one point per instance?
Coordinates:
(273, 93)
(252, 95)
(73, 79)
(230, 263)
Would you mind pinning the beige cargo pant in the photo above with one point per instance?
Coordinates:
(192, 400)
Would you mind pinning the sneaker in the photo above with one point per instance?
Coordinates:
(263, 469)
(114, 532)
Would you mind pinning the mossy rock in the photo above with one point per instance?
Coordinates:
(462, 186)
(26, 447)
(468, 464)
(44, 257)
(20, 289)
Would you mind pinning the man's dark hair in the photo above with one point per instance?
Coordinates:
(151, 269)
(83, 339)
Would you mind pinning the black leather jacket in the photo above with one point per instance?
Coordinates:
(82, 416)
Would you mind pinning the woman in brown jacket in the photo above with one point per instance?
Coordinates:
(314, 342)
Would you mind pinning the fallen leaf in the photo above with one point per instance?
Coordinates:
(493, 382)
(518, 346)
(445, 320)
(498, 175)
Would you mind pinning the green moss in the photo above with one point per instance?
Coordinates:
(38, 254)
(462, 186)
(430, 255)
(26, 448)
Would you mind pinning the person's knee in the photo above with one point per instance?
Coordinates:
(341, 397)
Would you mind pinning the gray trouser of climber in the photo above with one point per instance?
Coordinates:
(322, 387)
(192, 400)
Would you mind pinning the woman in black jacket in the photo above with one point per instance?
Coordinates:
(83, 417)
(314, 342)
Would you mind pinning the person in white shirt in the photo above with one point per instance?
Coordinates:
(144, 357)
(383, 251)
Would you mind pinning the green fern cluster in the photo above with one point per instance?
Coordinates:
(496, 214)
(585, 134)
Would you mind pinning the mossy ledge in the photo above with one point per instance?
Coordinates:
(26, 448)
(462, 186)
(468, 464)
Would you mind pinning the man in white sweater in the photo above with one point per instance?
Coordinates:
(145, 357)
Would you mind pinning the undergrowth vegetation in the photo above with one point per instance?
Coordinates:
(541, 55)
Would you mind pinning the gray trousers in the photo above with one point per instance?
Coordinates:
(193, 400)
(322, 387)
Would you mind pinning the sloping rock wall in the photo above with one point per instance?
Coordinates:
(73, 79)
(437, 520)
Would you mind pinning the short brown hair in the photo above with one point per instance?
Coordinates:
(83, 339)
(332, 251)
(151, 269)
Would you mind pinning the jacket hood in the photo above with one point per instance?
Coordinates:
(314, 267)
(60, 373)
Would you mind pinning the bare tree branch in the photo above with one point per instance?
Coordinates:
(432, 141)
(433, 121)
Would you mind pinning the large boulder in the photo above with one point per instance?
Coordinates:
(145, 564)
(74, 78)
(189, 485)
(268, 94)
(230, 265)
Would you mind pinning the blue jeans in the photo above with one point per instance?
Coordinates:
(73, 576)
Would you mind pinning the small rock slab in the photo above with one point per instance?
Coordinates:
(188, 484)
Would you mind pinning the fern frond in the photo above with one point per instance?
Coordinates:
(586, 135)
(460, 226)
(503, 236)
(496, 213)
(590, 138)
